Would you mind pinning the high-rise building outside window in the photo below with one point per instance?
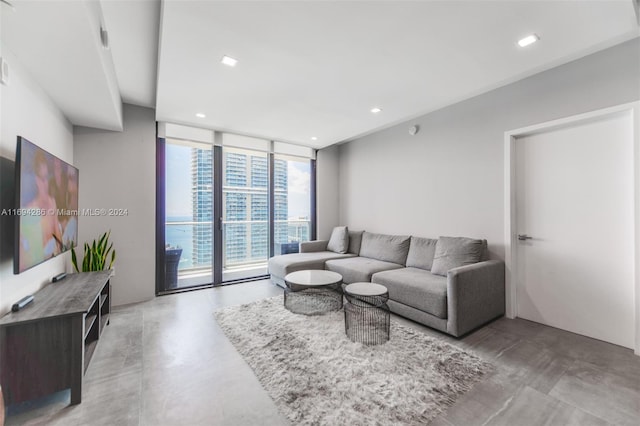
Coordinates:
(292, 201)
(245, 221)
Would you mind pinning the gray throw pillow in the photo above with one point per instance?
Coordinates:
(421, 253)
(453, 252)
(339, 241)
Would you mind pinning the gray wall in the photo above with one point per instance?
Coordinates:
(449, 178)
(26, 110)
(327, 191)
(117, 170)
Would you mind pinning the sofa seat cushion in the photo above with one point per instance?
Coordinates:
(417, 288)
(358, 269)
(280, 266)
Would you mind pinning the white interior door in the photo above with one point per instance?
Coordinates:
(574, 198)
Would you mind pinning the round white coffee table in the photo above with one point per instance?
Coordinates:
(367, 318)
(313, 292)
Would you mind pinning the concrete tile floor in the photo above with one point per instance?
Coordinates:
(166, 362)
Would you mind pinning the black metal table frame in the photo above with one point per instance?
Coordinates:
(367, 319)
(313, 300)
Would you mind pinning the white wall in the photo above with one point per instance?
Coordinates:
(117, 171)
(26, 110)
(449, 178)
(327, 191)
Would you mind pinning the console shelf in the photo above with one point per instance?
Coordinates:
(88, 323)
(47, 346)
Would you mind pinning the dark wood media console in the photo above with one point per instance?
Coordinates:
(46, 347)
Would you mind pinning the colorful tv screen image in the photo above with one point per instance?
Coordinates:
(48, 206)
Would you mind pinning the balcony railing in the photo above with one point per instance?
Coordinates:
(245, 243)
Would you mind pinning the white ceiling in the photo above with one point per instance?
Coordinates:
(306, 68)
(133, 38)
(317, 68)
(58, 43)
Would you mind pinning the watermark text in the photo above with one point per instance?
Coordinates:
(64, 212)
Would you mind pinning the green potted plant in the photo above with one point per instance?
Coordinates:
(96, 255)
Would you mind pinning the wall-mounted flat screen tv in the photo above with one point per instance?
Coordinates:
(47, 206)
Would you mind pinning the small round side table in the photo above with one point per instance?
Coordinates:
(313, 292)
(367, 318)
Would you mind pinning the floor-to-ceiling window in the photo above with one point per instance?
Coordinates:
(188, 214)
(292, 202)
(245, 220)
(229, 206)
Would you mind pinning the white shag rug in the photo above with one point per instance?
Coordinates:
(317, 376)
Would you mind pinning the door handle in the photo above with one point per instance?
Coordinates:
(523, 237)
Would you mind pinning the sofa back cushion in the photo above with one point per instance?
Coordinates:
(388, 248)
(485, 251)
(421, 252)
(453, 252)
(355, 241)
(339, 241)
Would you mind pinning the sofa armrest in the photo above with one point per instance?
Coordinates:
(313, 246)
(475, 295)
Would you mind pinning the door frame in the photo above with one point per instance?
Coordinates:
(510, 228)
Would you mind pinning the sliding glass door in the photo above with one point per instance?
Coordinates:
(188, 214)
(292, 203)
(225, 209)
(245, 221)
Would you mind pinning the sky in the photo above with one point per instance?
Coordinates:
(299, 183)
(178, 183)
(178, 180)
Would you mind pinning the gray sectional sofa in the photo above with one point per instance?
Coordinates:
(448, 284)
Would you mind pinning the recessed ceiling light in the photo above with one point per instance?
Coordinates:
(228, 60)
(313, 138)
(376, 110)
(526, 41)
(200, 115)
